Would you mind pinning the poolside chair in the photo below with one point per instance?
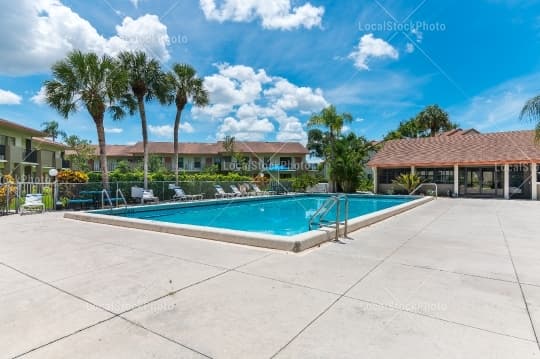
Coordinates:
(180, 195)
(148, 196)
(246, 190)
(237, 192)
(33, 202)
(259, 192)
(220, 192)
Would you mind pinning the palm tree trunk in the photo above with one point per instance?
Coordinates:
(142, 112)
(175, 143)
(102, 151)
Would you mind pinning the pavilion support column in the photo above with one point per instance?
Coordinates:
(507, 181)
(413, 170)
(534, 180)
(375, 179)
(456, 180)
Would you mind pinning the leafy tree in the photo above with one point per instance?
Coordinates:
(351, 155)
(323, 143)
(52, 129)
(303, 180)
(531, 110)
(427, 123)
(434, 120)
(184, 86)
(408, 181)
(146, 82)
(85, 80)
(81, 151)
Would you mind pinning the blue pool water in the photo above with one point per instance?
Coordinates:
(271, 215)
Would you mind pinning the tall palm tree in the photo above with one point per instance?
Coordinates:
(330, 119)
(146, 82)
(531, 110)
(85, 80)
(333, 122)
(52, 128)
(184, 86)
(434, 119)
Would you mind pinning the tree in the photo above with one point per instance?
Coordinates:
(146, 82)
(351, 155)
(531, 110)
(434, 120)
(52, 129)
(427, 123)
(81, 151)
(324, 142)
(85, 80)
(184, 86)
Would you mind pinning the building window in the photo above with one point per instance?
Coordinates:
(180, 162)
(437, 175)
(197, 163)
(387, 175)
(285, 161)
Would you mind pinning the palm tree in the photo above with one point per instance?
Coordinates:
(333, 122)
(146, 82)
(51, 128)
(531, 110)
(85, 80)
(434, 119)
(184, 86)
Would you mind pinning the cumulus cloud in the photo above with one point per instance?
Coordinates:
(168, 130)
(9, 98)
(371, 47)
(247, 129)
(113, 130)
(273, 14)
(409, 48)
(39, 97)
(44, 31)
(247, 101)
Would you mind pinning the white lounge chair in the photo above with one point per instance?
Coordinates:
(259, 192)
(237, 192)
(220, 192)
(246, 190)
(180, 195)
(148, 196)
(33, 202)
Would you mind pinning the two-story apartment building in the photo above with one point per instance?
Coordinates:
(27, 153)
(256, 156)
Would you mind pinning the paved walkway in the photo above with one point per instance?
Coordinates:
(450, 279)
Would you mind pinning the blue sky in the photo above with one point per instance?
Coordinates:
(270, 64)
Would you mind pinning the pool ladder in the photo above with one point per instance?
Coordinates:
(318, 218)
(119, 196)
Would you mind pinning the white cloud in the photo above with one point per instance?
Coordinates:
(243, 97)
(168, 130)
(113, 130)
(498, 108)
(9, 98)
(39, 97)
(418, 34)
(359, 120)
(409, 48)
(44, 31)
(248, 129)
(371, 47)
(274, 14)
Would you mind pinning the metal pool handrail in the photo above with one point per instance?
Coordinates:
(326, 207)
(426, 184)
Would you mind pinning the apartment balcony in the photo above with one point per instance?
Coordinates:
(66, 164)
(47, 159)
(21, 155)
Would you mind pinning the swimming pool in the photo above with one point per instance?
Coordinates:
(284, 216)
(279, 222)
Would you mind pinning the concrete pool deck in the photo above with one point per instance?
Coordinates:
(453, 278)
